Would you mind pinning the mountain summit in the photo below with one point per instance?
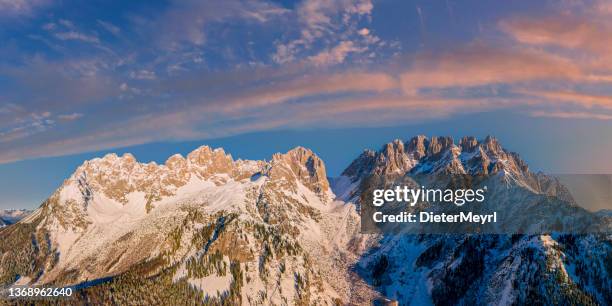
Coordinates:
(437, 155)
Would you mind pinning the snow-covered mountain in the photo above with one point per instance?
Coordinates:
(205, 226)
(210, 228)
(481, 269)
(10, 216)
(440, 156)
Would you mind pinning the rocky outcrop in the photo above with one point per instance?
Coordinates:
(363, 165)
(438, 145)
(417, 146)
(394, 159)
(207, 162)
(438, 155)
(468, 144)
(305, 166)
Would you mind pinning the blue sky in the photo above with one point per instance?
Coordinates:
(82, 78)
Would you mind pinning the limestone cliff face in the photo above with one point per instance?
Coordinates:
(117, 176)
(364, 164)
(489, 157)
(303, 165)
(394, 158)
(417, 146)
(207, 162)
(439, 144)
(438, 155)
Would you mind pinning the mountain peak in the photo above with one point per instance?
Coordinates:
(176, 161)
(418, 146)
(297, 152)
(437, 154)
(110, 160)
(205, 155)
(492, 145)
(396, 146)
(439, 144)
(305, 165)
(468, 143)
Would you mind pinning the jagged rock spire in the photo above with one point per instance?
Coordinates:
(304, 165)
(437, 154)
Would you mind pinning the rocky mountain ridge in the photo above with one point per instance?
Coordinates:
(438, 155)
(118, 176)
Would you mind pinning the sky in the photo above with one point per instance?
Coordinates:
(79, 79)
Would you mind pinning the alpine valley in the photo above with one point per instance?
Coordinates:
(208, 229)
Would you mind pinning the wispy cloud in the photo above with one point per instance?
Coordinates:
(571, 115)
(62, 83)
(66, 30)
(326, 21)
(198, 121)
(479, 64)
(311, 86)
(73, 35)
(337, 54)
(26, 126)
(69, 117)
(187, 21)
(143, 74)
(113, 29)
(583, 36)
(587, 100)
(20, 7)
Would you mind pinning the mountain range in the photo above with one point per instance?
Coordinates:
(11, 216)
(209, 229)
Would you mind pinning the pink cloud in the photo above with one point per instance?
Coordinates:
(69, 117)
(479, 64)
(572, 115)
(563, 30)
(586, 100)
(337, 54)
(355, 82)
